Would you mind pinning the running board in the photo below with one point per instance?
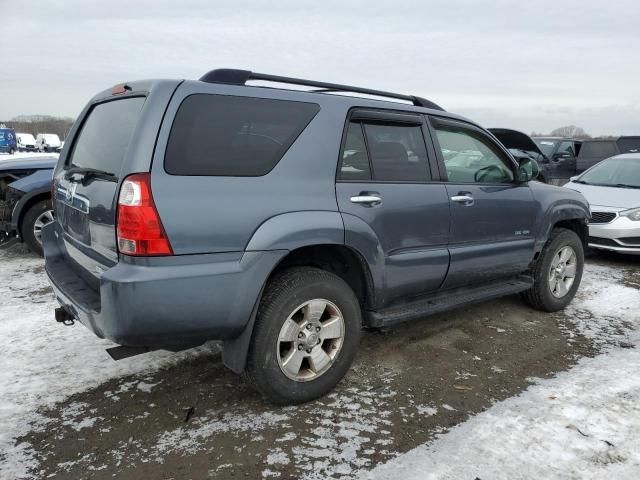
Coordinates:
(447, 300)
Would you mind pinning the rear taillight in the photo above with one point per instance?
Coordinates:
(140, 231)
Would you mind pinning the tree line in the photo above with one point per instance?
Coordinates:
(35, 124)
(570, 131)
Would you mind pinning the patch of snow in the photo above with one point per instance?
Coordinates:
(278, 456)
(426, 410)
(584, 423)
(43, 362)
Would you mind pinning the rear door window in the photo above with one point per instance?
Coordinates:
(223, 135)
(390, 153)
(398, 153)
(105, 135)
(355, 161)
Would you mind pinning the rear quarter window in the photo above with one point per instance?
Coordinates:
(220, 135)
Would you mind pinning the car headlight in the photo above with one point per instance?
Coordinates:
(633, 214)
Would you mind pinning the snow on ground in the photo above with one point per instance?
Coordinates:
(584, 423)
(21, 155)
(43, 362)
(557, 428)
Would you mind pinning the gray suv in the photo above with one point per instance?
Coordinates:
(283, 221)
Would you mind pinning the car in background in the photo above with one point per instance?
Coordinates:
(26, 142)
(25, 200)
(522, 146)
(612, 188)
(8, 140)
(594, 151)
(48, 142)
(562, 154)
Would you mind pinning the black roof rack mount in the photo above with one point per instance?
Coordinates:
(240, 77)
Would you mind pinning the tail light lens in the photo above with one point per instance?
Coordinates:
(140, 231)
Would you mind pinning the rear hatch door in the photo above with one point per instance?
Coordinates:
(114, 138)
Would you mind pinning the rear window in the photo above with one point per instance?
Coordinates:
(629, 145)
(223, 135)
(598, 149)
(105, 135)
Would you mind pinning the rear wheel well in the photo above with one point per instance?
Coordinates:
(580, 227)
(30, 203)
(337, 259)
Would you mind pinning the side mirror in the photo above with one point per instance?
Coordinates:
(574, 178)
(528, 169)
(560, 155)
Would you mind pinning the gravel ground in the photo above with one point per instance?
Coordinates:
(186, 416)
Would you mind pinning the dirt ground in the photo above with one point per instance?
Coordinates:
(198, 420)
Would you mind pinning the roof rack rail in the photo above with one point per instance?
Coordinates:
(240, 77)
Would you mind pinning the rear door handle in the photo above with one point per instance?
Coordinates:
(367, 200)
(463, 198)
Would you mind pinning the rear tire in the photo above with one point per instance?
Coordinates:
(554, 286)
(290, 311)
(40, 214)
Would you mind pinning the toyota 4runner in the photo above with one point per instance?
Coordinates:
(282, 221)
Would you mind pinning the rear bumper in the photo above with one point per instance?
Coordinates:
(163, 301)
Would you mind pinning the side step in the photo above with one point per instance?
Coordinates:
(447, 300)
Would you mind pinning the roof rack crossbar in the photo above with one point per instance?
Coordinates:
(240, 77)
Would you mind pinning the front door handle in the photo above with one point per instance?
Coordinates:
(463, 198)
(367, 200)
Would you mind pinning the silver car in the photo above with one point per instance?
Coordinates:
(612, 188)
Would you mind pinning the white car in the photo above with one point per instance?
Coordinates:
(26, 142)
(47, 142)
(612, 188)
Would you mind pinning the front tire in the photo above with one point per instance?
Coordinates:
(39, 215)
(306, 335)
(557, 272)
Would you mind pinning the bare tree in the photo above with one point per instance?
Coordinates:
(570, 131)
(35, 124)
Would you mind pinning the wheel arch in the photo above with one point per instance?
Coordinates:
(336, 258)
(24, 204)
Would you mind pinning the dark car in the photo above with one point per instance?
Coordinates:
(522, 146)
(25, 200)
(594, 151)
(562, 154)
(283, 221)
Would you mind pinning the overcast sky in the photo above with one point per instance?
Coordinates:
(529, 65)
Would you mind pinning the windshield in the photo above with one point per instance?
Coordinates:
(547, 146)
(614, 172)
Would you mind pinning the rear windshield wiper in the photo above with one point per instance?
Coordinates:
(86, 173)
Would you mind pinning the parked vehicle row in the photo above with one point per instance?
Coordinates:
(11, 142)
(281, 222)
(135, 221)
